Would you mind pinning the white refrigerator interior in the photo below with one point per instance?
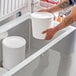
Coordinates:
(2, 71)
(55, 57)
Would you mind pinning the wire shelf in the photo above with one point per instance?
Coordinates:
(9, 7)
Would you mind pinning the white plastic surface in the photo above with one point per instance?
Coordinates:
(3, 35)
(40, 22)
(29, 67)
(42, 15)
(2, 71)
(13, 51)
(21, 69)
(14, 42)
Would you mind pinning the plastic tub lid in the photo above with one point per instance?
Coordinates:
(42, 15)
(14, 42)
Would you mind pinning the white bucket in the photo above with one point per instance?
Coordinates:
(40, 22)
(13, 51)
(2, 71)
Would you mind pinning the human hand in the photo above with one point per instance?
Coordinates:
(43, 10)
(49, 33)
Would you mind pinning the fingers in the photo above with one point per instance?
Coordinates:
(44, 32)
(47, 34)
(43, 10)
(47, 30)
(48, 37)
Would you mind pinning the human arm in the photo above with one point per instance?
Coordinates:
(66, 22)
(68, 19)
(64, 4)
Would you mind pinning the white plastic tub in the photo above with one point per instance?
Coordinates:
(13, 48)
(40, 22)
(43, 58)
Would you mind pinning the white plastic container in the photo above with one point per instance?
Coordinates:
(13, 51)
(2, 71)
(40, 22)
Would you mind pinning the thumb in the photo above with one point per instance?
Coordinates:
(44, 31)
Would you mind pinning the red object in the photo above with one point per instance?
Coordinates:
(59, 19)
(50, 1)
(44, 0)
(54, 16)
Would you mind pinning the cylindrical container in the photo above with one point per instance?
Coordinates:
(13, 51)
(40, 22)
(2, 71)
